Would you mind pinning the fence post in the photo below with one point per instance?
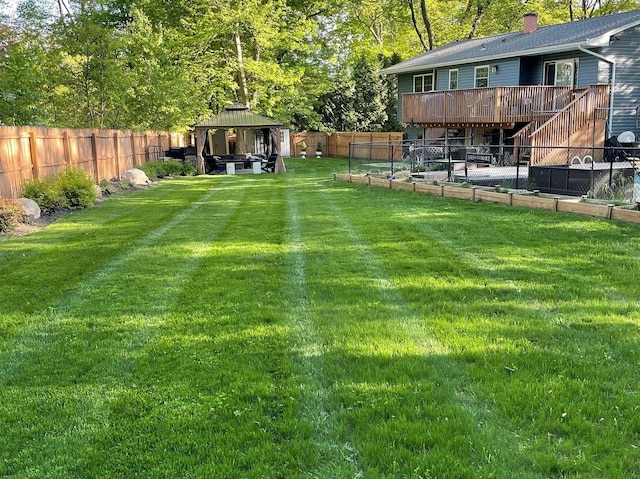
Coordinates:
(35, 167)
(392, 157)
(133, 149)
(518, 168)
(94, 153)
(116, 144)
(350, 154)
(66, 148)
(611, 172)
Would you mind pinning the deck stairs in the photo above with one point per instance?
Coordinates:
(580, 123)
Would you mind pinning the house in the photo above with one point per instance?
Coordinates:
(545, 87)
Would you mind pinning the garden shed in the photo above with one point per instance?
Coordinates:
(254, 134)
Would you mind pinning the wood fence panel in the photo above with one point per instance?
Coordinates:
(139, 145)
(341, 141)
(28, 152)
(106, 151)
(48, 150)
(337, 144)
(80, 150)
(125, 152)
(15, 161)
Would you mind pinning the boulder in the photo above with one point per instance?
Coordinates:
(137, 177)
(29, 207)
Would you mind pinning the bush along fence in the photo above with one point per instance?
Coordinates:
(337, 144)
(500, 196)
(28, 152)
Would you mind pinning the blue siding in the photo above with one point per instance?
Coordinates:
(508, 73)
(626, 53)
(442, 78)
(587, 68)
(405, 85)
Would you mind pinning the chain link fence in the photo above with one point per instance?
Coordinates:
(606, 173)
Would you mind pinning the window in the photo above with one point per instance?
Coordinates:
(422, 83)
(561, 72)
(453, 79)
(482, 76)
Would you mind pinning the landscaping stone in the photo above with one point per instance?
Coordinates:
(30, 208)
(98, 191)
(137, 177)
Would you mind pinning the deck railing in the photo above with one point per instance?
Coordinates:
(557, 132)
(485, 106)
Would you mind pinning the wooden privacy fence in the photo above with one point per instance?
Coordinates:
(28, 152)
(337, 144)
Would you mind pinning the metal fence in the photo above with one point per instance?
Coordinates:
(606, 173)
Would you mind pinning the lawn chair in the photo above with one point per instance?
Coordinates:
(212, 166)
(270, 165)
(613, 150)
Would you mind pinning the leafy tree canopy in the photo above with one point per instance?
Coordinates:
(157, 64)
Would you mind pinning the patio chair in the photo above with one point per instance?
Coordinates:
(270, 165)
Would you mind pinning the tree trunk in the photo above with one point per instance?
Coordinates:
(476, 20)
(571, 10)
(242, 92)
(415, 25)
(427, 23)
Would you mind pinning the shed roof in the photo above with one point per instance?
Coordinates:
(591, 33)
(238, 116)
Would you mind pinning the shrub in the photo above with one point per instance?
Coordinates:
(188, 169)
(10, 215)
(150, 168)
(45, 192)
(171, 168)
(76, 188)
(161, 169)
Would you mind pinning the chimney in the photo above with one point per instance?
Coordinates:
(530, 22)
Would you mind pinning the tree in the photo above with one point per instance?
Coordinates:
(361, 100)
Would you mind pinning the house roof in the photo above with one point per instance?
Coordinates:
(238, 116)
(591, 33)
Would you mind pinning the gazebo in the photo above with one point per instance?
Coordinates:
(239, 118)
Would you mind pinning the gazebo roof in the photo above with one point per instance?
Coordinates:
(238, 116)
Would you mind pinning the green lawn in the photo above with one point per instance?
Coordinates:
(285, 326)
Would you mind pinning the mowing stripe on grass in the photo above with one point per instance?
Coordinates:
(20, 250)
(31, 338)
(114, 372)
(336, 458)
(409, 328)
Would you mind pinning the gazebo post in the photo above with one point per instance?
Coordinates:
(280, 168)
(201, 138)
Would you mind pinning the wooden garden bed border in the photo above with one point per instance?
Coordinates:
(474, 193)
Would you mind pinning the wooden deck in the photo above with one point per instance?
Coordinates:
(498, 106)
